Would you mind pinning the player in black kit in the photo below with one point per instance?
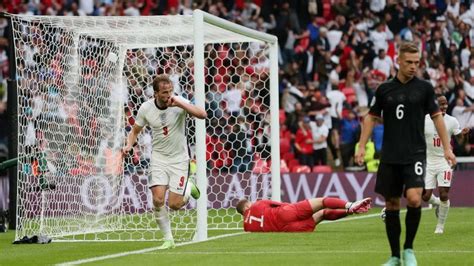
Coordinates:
(402, 103)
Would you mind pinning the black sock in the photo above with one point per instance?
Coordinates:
(393, 229)
(411, 222)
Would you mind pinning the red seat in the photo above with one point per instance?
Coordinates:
(322, 169)
(301, 169)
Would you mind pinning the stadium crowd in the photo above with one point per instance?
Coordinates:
(333, 54)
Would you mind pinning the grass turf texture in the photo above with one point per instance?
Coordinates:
(351, 242)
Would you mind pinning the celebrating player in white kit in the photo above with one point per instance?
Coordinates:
(438, 172)
(166, 115)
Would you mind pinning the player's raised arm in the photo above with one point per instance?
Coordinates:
(132, 138)
(443, 134)
(191, 109)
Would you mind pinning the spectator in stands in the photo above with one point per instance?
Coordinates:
(238, 147)
(468, 73)
(322, 42)
(292, 119)
(336, 99)
(464, 114)
(468, 87)
(383, 63)
(324, 66)
(377, 137)
(380, 36)
(368, 29)
(364, 48)
(291, 96)
(233, 99)
(315, 102)
(320, 134)
(335, 74)
(308, 60)
(250, 12)
(436, 47)
(350, 130)
(304, 142)
(213, 101)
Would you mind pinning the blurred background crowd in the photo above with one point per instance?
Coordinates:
(333, 55)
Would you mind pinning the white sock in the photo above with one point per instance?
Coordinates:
(163, 220)
(434, 200)
(348, 204)
(443, 212)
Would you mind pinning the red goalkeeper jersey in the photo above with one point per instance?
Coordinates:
(261, 217)
(273, 216)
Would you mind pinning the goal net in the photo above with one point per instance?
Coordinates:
(80, 83)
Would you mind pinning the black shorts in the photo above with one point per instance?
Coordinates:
(393, 179)
(336, 123)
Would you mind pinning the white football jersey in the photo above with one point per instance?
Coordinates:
(169, 130)
(434, 147)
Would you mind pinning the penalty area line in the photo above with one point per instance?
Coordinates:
(141, 251)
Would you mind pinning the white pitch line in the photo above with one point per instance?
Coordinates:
(364, 216)
(147, 250)
(354, 218)
(294, 252)
(122, 254)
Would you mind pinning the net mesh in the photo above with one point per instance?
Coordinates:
(81, 82)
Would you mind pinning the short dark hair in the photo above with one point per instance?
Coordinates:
(408, 47)
(159, 79)
(440, 95)
(241, 206)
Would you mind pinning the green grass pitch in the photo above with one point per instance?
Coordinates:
(359, 241)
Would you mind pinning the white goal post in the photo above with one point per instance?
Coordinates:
(80, 83)
(199, 19)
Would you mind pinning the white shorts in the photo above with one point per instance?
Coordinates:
(438, 174)
(171, 174)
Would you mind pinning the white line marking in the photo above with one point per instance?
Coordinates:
(354, 218)
(358, 217)
(294, 252)
(148, 250)
(122, 254)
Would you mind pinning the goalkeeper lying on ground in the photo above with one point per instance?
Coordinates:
(303, 216)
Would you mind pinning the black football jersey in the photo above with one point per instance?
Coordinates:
(403, 108)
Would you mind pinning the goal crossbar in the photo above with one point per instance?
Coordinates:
(215, 30)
